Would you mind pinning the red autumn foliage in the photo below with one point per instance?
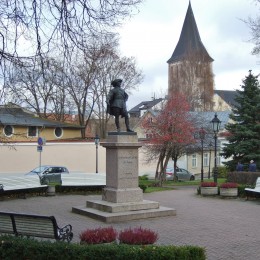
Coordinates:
(173, 124)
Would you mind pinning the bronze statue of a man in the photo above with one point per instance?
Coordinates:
(116, 104)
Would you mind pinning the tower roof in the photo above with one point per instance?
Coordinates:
(189, 40)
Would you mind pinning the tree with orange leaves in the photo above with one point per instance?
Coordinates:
(171, 132)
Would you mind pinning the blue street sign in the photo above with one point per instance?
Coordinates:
(40, 141)
(39, 148)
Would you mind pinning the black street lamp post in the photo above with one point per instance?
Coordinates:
(202, 133)
(96, 143)
(210, 146)
(215, 126)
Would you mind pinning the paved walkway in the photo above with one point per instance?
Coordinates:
(227, 228)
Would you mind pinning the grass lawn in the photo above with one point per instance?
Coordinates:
(169, 185)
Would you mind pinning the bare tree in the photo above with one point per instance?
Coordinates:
(31, 29)
(254, 25)
(80, 85)
(45, 93)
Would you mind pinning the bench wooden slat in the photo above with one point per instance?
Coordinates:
(34, 225)
(6, 224)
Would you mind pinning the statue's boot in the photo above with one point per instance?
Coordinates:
(117, 124)
(127, 125)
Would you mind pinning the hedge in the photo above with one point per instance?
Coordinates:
(247, 178)
(24, 248)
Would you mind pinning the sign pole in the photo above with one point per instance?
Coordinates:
(40, 142)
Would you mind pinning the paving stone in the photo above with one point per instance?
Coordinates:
(227, 228)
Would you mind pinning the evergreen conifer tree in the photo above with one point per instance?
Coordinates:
(244, 132)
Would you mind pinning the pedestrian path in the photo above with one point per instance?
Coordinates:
(226, 228)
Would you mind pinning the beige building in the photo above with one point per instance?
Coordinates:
(21, 125)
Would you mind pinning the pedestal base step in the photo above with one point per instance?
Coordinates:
(120, 207)
(114, 217)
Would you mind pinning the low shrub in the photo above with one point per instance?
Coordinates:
(86, 190)
(143, 178)
(98, 235)
(229, 185)
(241, 190)
(222, 172)
(143, 187)
(23, 248)
(137, 236)
(208, 184)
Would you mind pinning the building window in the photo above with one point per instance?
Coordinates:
(206, 159)
(32, 131)
(194, 160)
(8, 130)
(58, 132)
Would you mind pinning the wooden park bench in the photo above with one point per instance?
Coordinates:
(254, 192)
(34, 226)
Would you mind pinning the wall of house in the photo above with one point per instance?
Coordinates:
(78, 157)
(48, 133)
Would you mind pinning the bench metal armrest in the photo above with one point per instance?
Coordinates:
(65, 233)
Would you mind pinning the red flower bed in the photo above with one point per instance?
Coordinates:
(229, 185)
(138, 236)
(208, 184)
(98, 235)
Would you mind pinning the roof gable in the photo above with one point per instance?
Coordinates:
(227, 95)
(145, 105)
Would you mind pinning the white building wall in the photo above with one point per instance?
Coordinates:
(78, 157)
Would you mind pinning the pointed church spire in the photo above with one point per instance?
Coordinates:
(189, 39)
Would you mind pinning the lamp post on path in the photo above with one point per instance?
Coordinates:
(97, 143)
(215, 126)
(202, 133)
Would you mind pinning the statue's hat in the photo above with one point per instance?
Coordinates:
(116, 82)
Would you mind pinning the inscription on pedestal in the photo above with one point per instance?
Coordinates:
(129, 164)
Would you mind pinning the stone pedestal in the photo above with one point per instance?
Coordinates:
(122, 169)
(122, 199)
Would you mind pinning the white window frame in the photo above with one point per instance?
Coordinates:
(5, 132)
(206, 159)
(62, 131)
(194, 160)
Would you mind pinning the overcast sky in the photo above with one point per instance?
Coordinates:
(152, 35)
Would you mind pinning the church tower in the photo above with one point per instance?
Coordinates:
(190, 67)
